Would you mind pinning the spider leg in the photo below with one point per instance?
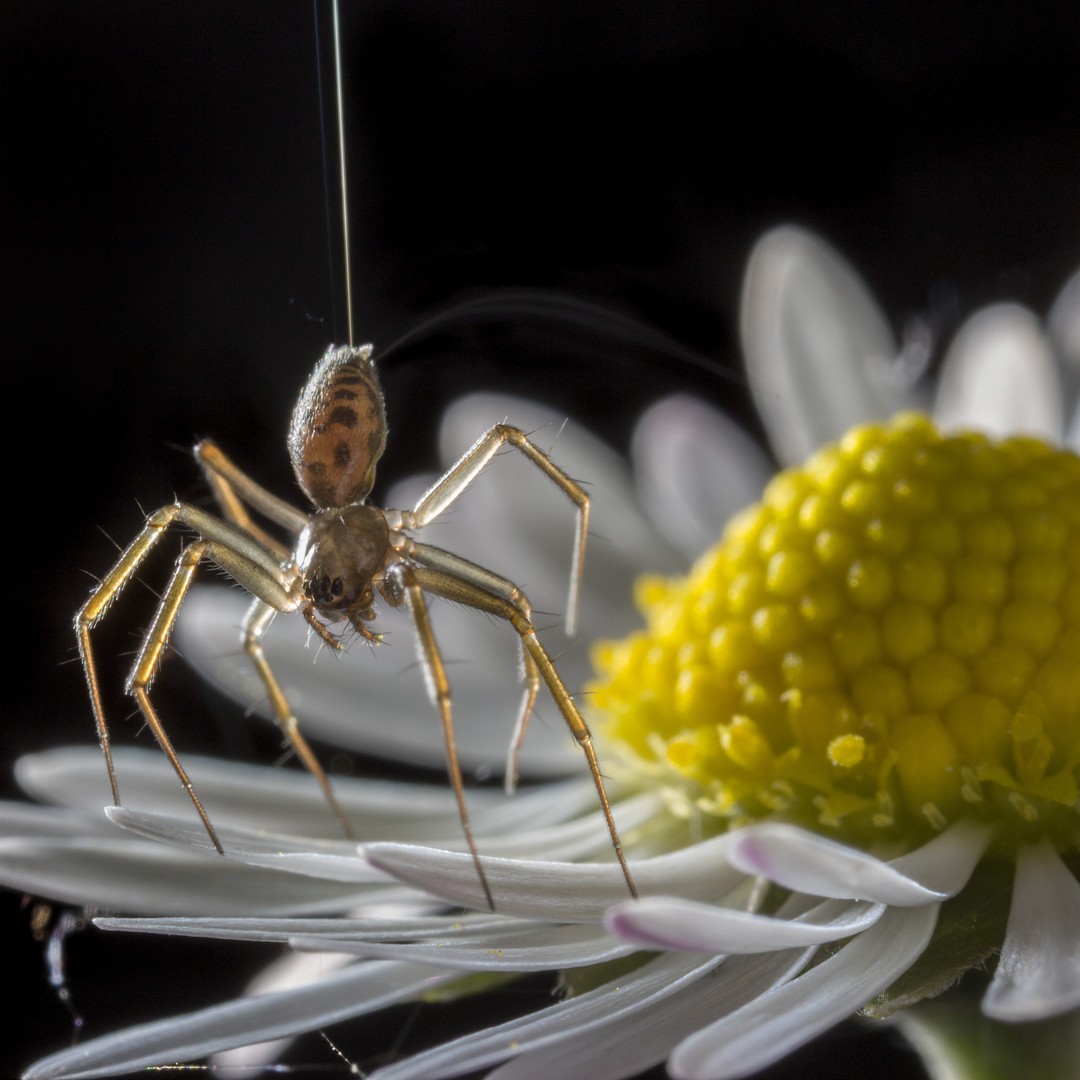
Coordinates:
(464, 589)
(235, 552)
(445, 490)
(233, 488)
(454, 565)
(258, 618)
(402, 585)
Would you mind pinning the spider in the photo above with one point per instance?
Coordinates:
(347, 553)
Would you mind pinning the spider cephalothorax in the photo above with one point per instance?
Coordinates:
(340, 554)
(345, 553)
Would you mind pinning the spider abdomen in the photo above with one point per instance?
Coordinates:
(338, 428)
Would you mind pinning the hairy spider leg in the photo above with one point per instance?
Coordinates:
(401, 586)
(233, 488)
(235, 491)
(460, 587)
(438, 559)
(445, 490)
(243, 559)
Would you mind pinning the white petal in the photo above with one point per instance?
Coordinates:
(946, 862)
(288, 800)
(518, 523)
(785, 1018)
(646, 1035)
(125, 874)
(668, 922)
(359, 989)
(543, 948)
(1038, 974)
(1063, 325)
(332, 860)
(289, 972)
(633, 996)
(374, 700)
(819, 353)
(23, 820)
(568, 892)
(806, 862)
(694, 468)
(404, 927)
(1000, 377)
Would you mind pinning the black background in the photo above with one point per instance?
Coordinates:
(167, 277)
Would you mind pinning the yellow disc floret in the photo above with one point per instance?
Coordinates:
(888, 640)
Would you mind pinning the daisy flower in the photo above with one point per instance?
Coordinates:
(843, 751)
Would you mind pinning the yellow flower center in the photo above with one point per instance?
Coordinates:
(890, 639)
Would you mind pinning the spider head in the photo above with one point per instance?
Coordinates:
(339, 555)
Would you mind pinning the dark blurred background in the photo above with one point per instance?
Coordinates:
(169, 276)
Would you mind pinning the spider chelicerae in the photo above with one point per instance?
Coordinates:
(347, 553)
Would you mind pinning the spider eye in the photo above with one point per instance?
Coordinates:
(337, 587)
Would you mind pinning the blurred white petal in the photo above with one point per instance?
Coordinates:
(1000, 377)
(819, 353)
(694, 469)
(354, 991)
(290, 972)
(1063, 326)
(266, 798)
(1038, 974)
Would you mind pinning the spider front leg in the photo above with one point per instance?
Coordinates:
(465, 587)
(445, 490)
(236, 553)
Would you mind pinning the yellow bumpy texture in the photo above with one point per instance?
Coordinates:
(888, 640)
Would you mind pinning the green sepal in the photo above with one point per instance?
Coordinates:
(956, 1042)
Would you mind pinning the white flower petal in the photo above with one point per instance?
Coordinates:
(785, 1018)
(1063, 325)
(694, 468)
(668, 922)
(333, 860)
(1038, 974)
(809, 863)
(24, 821)
(1000, 377)
(568, 892)
(946, 862)
(403, 927)
(516, 522)
(819, 353)
(543, 948)
(646, 1035)
(125, 874)
(633, 996)
(354, 991)
(289, 972)
(374, 700)
(270, 799)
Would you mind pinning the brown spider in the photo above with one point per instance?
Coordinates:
(347, 552)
